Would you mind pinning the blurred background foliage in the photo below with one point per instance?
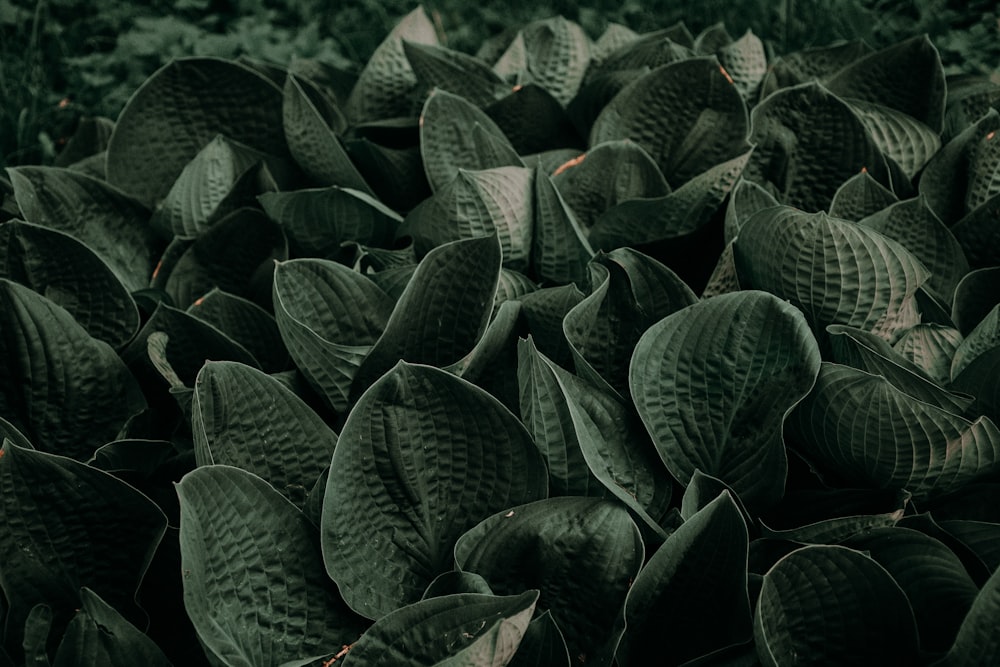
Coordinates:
(63, 59)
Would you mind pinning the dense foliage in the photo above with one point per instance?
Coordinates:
(654, 348)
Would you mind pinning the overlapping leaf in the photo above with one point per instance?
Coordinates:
(977, 640)
(559, 249)
(930, 347)
(904, 139)
(534, 121)
(713, 383)
(253, 578)
(975, 296)
(422, 457)
(247, 324)
(860, 196)
(745, 60)
(456, 72)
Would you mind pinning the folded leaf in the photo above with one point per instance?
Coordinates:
(253, 579)
(860, 196)
(539, 545)
(978, 236)
(543, 645)
(559, 248)
(247, 324)
(815, 62)
(900, 136)
(557, 55)
(714, 382)
(422, 457)
(977, 641)
(930, 347)
(745, 60)
(453, 71)
(544, 310)
(534, 121)
(975, 296)
(745, 199)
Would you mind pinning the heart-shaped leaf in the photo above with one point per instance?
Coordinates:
(976, 642)
(650, 50)
(709, 123)
(930, 347)
(980, 340)
(247, 419)
(745, 199)
(975, 296)
(815, 62)
(543, 645)
(67, 525)
(112, 224)
(745, 60)
(557, 54)
(253, 577)
(67, 392)
(247, 324)
(422, 457)
(725, 419)
(456, 72)
(692, 594)
(461, 630)
(559, 248)
(69, 273)
(149, 146)
(904, 139)
(827, 267)
(860, 196)
(866, 432)
(830, 605)
(537, 545)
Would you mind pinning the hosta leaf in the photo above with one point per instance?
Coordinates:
(979, 379)
(329, 316)
(69, 273)
(422, 457)
(977, 641)
(980, 340)
(544, 310)
(723, 279)
(236, 254)
(178, 110)
(866, 432)
(823, 605)
(975, 296)
(512, 286)
(217, 181)
(712, 39)
(979, 536)
(808, 141)
(385, 84)
(934, 580)
(970, 97)
(113, 225)
(834, 530)
(67, 392)
(318, 221)
(708, 125)
(479, 204)
(827, 267)
(456, 72)
(601, 88)
(456, 581)
(461, 630)
(313, 144)
(725, 418)
(984, 171)
(247, 419)
(979, 236)
(632, 291)
(692, 594)
(614, 37)
(652, 50)
(557, 55)
(456, 135)
(931, 348)
(395, 174)
(67, 525)
(534, 121)
(442, 312)
(247, 324)
(745, 60)
(746, 198)
(98, 636)
(812, 63)
(253, 578)
(543, 645)
(900, 136)
(559, 249)
(608, 174)
(682, 212)
(907, 76)
(90, 138)
(539, 544)
(860, 196)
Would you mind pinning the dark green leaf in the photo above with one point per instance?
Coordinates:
(712, 39)
(544, 310)
(977, 642)
(422, 457)
(453, 71)
(978, 234)
(860, 196)
(247, 324)
(930, 347)
(902, 138)
(815, 62)
(745, 60)
(979, 341)
(557, 54)
(543, 645)
(745, 199)
(456, 581)
(395, 174)
(534, 121)
(975, 296)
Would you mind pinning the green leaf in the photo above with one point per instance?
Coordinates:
(422, 457)
(112, 224)
(692, 594)
(151, 145)
(984, 171)
(67, 525)
(387, 81)
(978, 236)
(218, 180)
(559, 248)
(395, 174)
(37, 628)
(544, 310)
(247, 324)
(66, 271)
(253, 579)
(725, 417)
(237, 255)
(456, 581)
(745, 199)
(539, 545)
(807, 142)
(462, 630)
(534, 121)
(930, 347)
(860, 196)
(479, 204)
(919, 230)
(455, 135)
(975, 296)
(867, 433)
(247, 419)
(815, 62)
(708, 118)
(67, 392)
(543, 645)
(907, 76)
(313, 144)
(745, 60)
(980, 340)
(712, 39)
(827, 268)
(99, 636)
(904, 139)
(934, 580)
(606, 175)
(632, 291)
(614, 37)
(977, 642)
(329, 316)
(442, 312)
(830, 605)
(318, 221)
(558, 53)
(453, 71)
